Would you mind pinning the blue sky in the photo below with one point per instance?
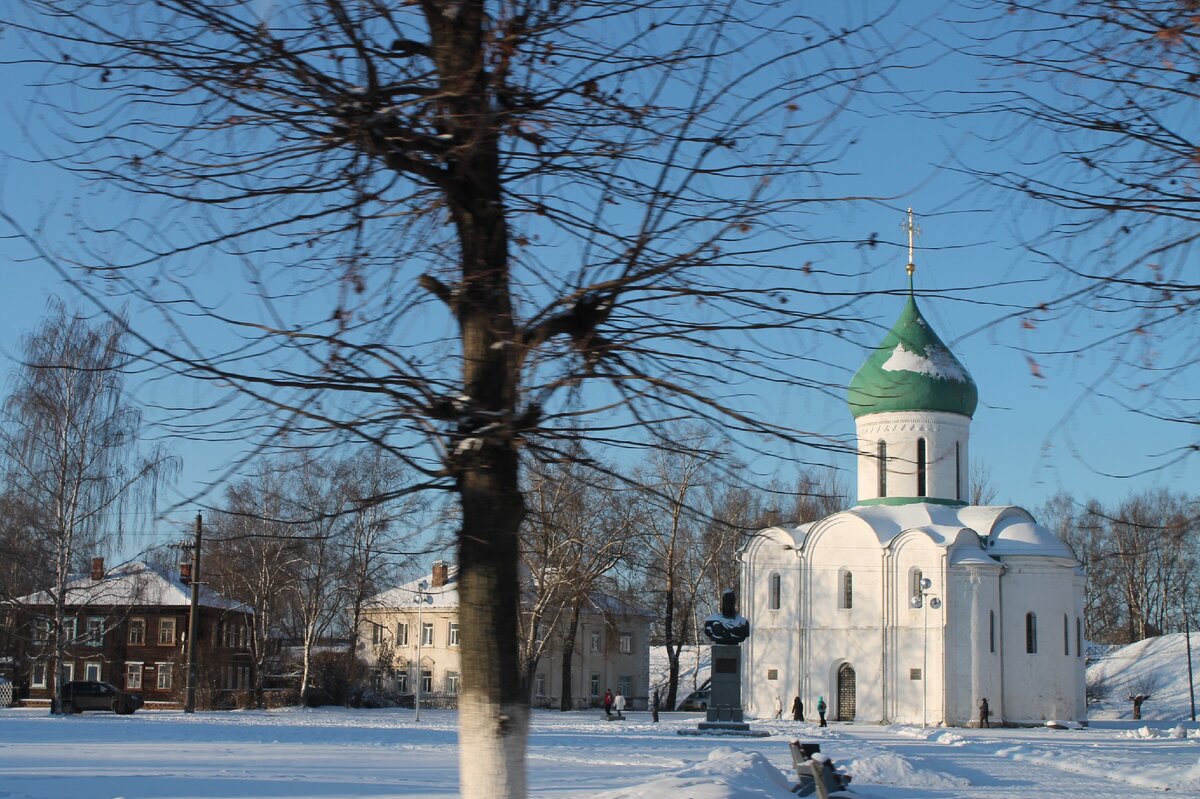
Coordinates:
(1037, 431)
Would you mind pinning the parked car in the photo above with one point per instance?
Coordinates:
(696, 700)
(83, 695)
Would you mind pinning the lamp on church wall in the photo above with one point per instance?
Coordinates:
(925, 599)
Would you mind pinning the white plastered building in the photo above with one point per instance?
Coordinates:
(913, 606)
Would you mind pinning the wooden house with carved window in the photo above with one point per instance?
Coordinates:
(128, 627)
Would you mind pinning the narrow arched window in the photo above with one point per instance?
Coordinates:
(1031, 633)
(847, 590)
(776, 590)
(921, 481)
(958, 492)
(1066, 635)
(1078, 637)
(991, 631)
(881, 462)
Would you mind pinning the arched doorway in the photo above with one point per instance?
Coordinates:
(846, 692)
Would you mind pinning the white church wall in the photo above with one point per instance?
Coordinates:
(947, 457)
(1045, 684)
(974, 638)
(834, 634)
(771, 655)
(914, 656)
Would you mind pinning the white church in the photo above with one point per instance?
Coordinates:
(913, 606)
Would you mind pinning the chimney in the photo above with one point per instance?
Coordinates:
(185, 573)
(439, 574)
(97, 569)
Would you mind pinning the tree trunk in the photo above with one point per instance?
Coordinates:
(567, 700)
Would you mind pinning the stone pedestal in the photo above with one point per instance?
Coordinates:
(725, 696)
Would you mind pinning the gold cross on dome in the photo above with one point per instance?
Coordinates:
(913, 231)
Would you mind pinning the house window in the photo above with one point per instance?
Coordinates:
(66, 672)
(402, 681)
(914, 588)
(137, 632)
(625, 685)
(69, 630)
(594, 685)
(426, 681)
(625, 643)
(595, 640)
(166, 632)
(95, 630)
(401, 633)
(453, 633)
(1066, 635)
(1078, 637)
(164, 676)
(452, 682)
(427, 633)
(539, 685)
(991, 631)
(376, 634)
(41, 631)
(881, 460)
(38, 678)
(921, 476)
(91, 671)
(245, 630)
(133, 676)
(847, 590)
(776, 591)
(1031, 633)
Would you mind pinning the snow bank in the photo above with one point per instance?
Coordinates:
(1156, 667)
(726, 774)
(891, 769)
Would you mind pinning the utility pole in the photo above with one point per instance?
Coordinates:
(422, 596)
(190, 703)
(1187, 633)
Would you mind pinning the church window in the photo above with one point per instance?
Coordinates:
(914, 588)
(1078, 637)
(921, 476)
(1066, 635)
(958, 470)
(776, 590)
(991, 631)
(881, 458)
(847, 590)
(1031, 633)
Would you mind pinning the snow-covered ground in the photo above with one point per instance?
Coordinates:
(1156, 667)
(372, 754)
(386, 753)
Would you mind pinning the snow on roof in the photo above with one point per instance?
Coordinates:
(936, 362)
(135, 583)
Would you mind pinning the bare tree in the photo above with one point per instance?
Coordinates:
(458, 214)
(71, 451)
(1095, 94)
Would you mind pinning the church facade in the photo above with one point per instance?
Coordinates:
(914, 606)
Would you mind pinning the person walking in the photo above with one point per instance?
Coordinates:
(778, 708)
(821, 708)
(654, 707)
(619, 704)
(608, 702)
(984, 713)
(797, 710)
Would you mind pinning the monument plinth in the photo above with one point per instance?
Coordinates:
(726, 630)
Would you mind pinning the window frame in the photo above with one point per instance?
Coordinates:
(775, 591)
(453, 682)
(596, 641)
(452, 633)
(168, 670)
(1031, 639)
(401, 637)
(922, 467)
(881, 459)
(426, 633)
(129, 672)
(95, 631)
(168, 623)
(625, 643)
(40, 667)
(846, 589)
(992, 631)
(137, 624)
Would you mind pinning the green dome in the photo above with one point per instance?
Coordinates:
(912, 370)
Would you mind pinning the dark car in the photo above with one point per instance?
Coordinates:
(84, 695)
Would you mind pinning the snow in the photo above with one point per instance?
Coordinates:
(937, 362)
(1155, 667)
(335, 753)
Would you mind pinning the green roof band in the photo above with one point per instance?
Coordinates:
(912, 370)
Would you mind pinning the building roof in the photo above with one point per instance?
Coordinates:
(912, 370)
(135, 584)
(404, 596)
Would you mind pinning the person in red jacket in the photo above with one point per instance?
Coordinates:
(608, 702)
